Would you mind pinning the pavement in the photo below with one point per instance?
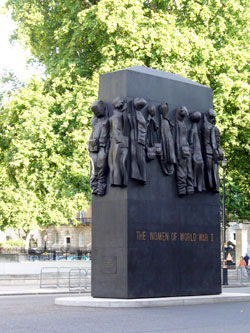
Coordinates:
(34, 290)
(24, 278)
(82, 298)
(25, 287)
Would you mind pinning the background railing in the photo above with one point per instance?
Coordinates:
(76, 279)
(62, 253)
(238, 276)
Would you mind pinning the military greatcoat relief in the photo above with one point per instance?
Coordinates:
(128, 134)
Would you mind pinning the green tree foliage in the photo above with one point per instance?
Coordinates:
(43, 164)
(206, 41)
(8, 83)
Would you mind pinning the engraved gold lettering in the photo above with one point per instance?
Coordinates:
(187, 237)
(165, 236)
(152, 236)
(159, 236)
(173, 236)
(203, 237)
(141, 235)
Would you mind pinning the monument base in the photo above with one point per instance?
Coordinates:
(90, 302)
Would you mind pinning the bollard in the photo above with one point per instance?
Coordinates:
(224, 277)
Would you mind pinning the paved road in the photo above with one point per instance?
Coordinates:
(26, 314)
(242, 289)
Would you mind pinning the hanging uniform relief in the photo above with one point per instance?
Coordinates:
(212, 153)
(98, 148)
(118, 152)
(153, 146)
(136, 132)
(168, 159)
(196, 153)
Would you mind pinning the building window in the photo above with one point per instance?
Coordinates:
(81, 216)
(57, 238)
(67, 238)
(32, 242)
(81, 239)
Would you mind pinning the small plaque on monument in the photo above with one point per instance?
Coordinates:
(109, 265)
(155, 152)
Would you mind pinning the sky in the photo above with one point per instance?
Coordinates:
(13, 57)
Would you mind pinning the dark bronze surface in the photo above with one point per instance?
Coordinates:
(152, 240)
(98, 148)
(138, 132)
(196, 153)
(211, 141)
(184, 173)
(133, 131)
(118, 151)
(168, 159)
(153, 146)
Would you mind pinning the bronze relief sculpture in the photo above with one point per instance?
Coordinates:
(184, 174)
(98, 148)
(153, 146)
(212, 153)
(118, 152)
(138, 132)
(132, 132)
(168, 158)
(196, 153)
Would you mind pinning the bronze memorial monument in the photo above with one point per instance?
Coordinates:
(155, 152)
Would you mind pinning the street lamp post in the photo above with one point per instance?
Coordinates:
(45, 243)
(224, 167)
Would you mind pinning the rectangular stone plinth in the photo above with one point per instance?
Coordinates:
(147, 241)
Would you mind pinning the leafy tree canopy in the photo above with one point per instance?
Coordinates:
(206, 41)
(43, 164)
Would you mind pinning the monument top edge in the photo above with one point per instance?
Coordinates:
(159, 73)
